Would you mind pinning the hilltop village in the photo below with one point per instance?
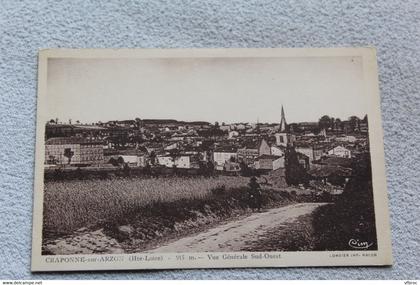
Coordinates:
(321, 148)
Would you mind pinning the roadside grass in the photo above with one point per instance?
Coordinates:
(69, 205)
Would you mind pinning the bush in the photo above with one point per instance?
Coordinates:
(219, 190)
(295, 173)
(352, 216)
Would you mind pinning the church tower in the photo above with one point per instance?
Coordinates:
(283, 124)
(283, 137)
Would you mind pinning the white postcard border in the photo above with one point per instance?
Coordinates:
(383, 256)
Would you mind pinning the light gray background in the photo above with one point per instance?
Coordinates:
(391, 26)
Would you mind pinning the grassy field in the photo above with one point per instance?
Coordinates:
(69, 205)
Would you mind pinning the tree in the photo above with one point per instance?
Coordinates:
(354, 122)
(126, 170)
(174, 169)
(138, 123)
(52, 159)
(147, 169)
(338, 124)
(69, 154)
(361, 181)
(174, 154)
(79, 173)
(332, 123)
(113, 161)
(355, 205)
(210, 168)
(245, 170)
(120, 160)
(152, 158)
(202, 167)
(211, 133)
(324, 122)
(295, 173)
(294, 128)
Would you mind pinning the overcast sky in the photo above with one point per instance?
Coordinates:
(207, 89)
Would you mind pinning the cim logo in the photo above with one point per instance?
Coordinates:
(357, 244)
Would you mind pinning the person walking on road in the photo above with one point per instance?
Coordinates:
(254, 194)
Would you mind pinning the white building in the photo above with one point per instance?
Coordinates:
(350, 139)
(340, 151)
(233, 134)
(306, 150)
(276, 151)
(134, 160)
(183, 161)
(239, 126)
(221, 156)
(225, 128)
(278, 163)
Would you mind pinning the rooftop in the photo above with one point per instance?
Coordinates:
(70, 140)
(229, 149)
(268, 156)
(334, 160)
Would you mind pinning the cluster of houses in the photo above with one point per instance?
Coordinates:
(188, 145)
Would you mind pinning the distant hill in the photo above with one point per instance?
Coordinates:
(171, 121)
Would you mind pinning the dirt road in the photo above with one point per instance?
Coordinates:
(233, 236)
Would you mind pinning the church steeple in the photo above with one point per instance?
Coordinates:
(283, 137)
(283, 124)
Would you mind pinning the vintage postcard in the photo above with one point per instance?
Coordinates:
(209, 158)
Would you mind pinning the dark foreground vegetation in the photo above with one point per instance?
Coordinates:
(140, 228)
(352, 216)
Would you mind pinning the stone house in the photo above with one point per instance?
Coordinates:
(73, 151)
(269, 162)
(252, 150)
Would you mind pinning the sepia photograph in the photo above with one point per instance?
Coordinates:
(209, 158)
